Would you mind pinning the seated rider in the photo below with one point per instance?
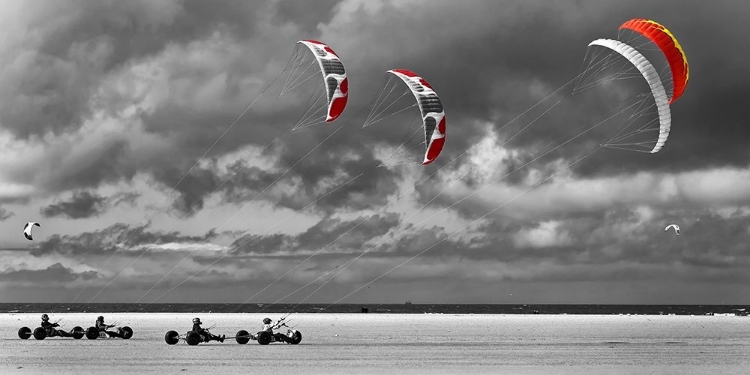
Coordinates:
(268, 326)
(207, 335)
(50, 327)
(103, 327)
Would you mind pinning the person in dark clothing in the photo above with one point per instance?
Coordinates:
(268, 326)
(103, 328)
(50, 328)
(204, 332)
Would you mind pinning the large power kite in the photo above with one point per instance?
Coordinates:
(649, 73)
(324, 105)
(433, 115)
(334, 77)
(425, 135)
(623, 65)
(668, 44)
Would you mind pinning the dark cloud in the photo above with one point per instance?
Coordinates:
(56, 81)
(515, 50)
(623, 244)
(322, 177)
(493, 61)
(86, 204)
(369, 185)
(511, 55)
(193, 190)
(53, 274)
(108, 163)
(329, 233)
(81, 205)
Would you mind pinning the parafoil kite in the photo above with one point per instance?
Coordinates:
(669, 46)
(651, 76)
(673, 226)
(334, 75)
(431, 108)
(27, 229)
(424, 136)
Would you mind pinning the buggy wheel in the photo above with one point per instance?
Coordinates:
(264, 338)
(24, 333)
(172, 337)
(127, 332)
(92, 333)
(78, 332)
(242, 337)
(296, 338)
(193, 338)
(40, 333)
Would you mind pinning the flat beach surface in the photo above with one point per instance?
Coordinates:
(393, 344)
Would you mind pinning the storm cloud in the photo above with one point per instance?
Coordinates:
(153, 139)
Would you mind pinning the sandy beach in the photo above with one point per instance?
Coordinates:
(380, 343)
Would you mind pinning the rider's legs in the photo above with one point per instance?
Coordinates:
(282, 337)
(62, 333)
(113, 334)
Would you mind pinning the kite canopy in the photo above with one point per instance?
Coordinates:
(431, 108)
(334, 77)
(673, 226)
(671, 48)
(27, 229)
(648, 72)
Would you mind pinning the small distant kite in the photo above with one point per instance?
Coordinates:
(676, 228)
(27, 229)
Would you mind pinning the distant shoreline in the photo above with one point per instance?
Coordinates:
(556, 309)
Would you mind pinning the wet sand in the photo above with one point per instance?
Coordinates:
(397, 344)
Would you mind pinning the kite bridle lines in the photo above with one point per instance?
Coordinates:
(345, 265)
(378, 102)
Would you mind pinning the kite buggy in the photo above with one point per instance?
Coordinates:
(192, 338)
(48, 329)
(100, 331)
(267, 335)
(195, 336)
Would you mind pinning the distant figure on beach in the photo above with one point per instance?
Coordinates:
(50, 327)
(365, 310)
(104, 327)
(203, 332)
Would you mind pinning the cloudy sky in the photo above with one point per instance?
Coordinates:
(122, 133)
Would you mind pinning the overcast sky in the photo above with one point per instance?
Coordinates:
(108, 107)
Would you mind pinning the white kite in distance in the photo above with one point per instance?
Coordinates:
(676, 228)
(27, 229)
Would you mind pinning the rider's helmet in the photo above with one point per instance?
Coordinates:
(266, 321)
(196, 321)
(45, 317)
(100, 319)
